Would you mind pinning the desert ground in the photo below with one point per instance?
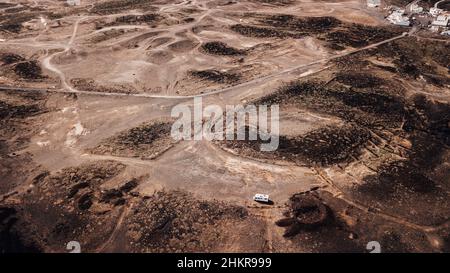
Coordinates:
(86, 155)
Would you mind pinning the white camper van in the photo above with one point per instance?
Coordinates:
(261, 198)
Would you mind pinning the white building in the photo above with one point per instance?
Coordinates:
(73, 2)
(441, 21)
(397, 18)
(414, 8)
(373, 3)
(435, 11)
(434, 28)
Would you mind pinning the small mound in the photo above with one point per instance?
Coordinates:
(220, 48)
(28, 70)
(10, 58)
(215, 76)
(275, 2)
(183, 46)
(306, 24)
(359, 79)
(356, 35)
(160, 57)
(145, 141)
(306, 212)
(8, 111)
(170, 220)
(262, 32)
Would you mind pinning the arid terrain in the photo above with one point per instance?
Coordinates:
(86, 155)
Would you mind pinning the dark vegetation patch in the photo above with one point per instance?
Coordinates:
(275, 2)
(307, 25)
(11, 111)
(56, 15)
(216, 76)
(17, 112)
(16, 9)
(117, 6)
(133, 19)
(321, 147)
(373, 114)
(263, 32)
(149, 19)
(6, 5)
(395, 177)
(353, 62)
(367, 112)
(71, 203)
(30, 70)
(369, 108)
(415, 58)
(325, 146)
(419, 180)
(220, 48)
(12, 22)
(445, 5)
(59, 206)
(412, 59)
(423, 122)
(75, 202)
(428, 127)
(147, 141)
(359, 79)
(20, 66)
(357, 35)
(372, 103)
(305, 212)
(190, 10)
(168, 221)
(312, 223)
(351, 228)
(87, 84)
(319, 221)
(11, 240)
(145, 134)
(336, 33)
(394, 243)
(17, 109)
(10, 58)
(78, 184)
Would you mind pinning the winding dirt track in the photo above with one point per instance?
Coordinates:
(257, 81)
(67, 88)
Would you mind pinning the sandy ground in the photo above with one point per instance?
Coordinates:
(103, 77)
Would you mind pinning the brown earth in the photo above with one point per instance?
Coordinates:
(86, 154)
